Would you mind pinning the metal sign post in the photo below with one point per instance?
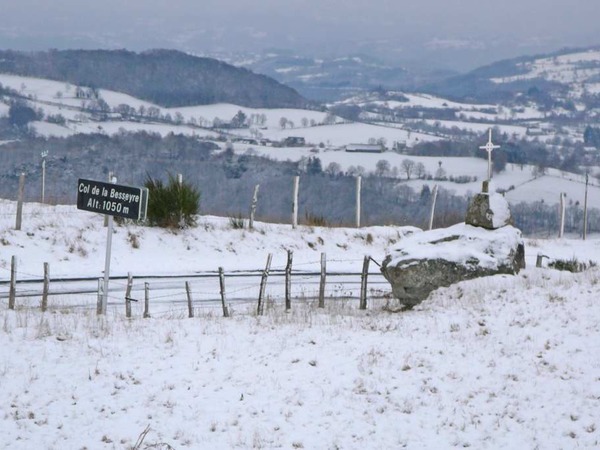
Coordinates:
(109, 233)
(112, 200)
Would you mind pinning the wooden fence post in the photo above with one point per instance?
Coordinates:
(253, 207)
(146, 300)
(322, 282)
(222, 285)
(295, 202)
(263, 284)
(563, 202)
(128, 295)
(363, 283)
(585, 208)
(44, 154)
(288, 280)
(358, 189)
(99, 304)
(435, 192)
(20, 195)
(46, 287)
(539, 259)
(13, 283)
(188, 291)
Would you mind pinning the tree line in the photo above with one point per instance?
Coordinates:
(226, 181)
(165, 77)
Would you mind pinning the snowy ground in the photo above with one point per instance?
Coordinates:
(499, 362)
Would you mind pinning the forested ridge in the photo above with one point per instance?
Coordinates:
(168, 78)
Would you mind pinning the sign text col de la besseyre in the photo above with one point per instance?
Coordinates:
(113, 199)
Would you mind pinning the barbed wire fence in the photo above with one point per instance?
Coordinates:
(198, 291)
(157, 295)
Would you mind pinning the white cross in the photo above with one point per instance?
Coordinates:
(489, 147)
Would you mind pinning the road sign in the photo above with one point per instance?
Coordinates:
(112, 199)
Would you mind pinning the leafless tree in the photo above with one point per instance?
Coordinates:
(408, 166)
(333, 169)
(382, 168)
(420, 170)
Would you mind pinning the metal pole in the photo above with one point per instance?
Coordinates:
(109, 233)
(110, 178)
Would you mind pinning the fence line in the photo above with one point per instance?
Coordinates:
(356, 222)
(305, 282)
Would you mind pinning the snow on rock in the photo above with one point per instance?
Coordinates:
(461, 244)
(423, 262)
(501, 211)
(488, 210)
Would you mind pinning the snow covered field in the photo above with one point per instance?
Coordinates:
(499, 362)
(521, 182)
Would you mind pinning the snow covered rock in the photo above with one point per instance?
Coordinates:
(488, 210)
(422, 262)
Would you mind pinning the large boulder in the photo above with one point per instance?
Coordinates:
(425, 261)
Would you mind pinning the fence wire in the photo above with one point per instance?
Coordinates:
(82, 292)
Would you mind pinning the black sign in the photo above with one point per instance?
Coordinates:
(112, 199)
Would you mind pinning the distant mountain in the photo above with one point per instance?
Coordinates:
(572, 74)
(327, 79)
(166, 77)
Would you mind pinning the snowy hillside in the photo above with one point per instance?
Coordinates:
(581, 68)
(54, 97)
(499, 362)
(324, 133)
(521, 182)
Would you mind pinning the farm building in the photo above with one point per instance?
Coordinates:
(365, 148)
(294, 141)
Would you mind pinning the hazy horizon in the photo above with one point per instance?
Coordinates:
(436, 34)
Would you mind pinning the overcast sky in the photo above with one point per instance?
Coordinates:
(463, 33)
